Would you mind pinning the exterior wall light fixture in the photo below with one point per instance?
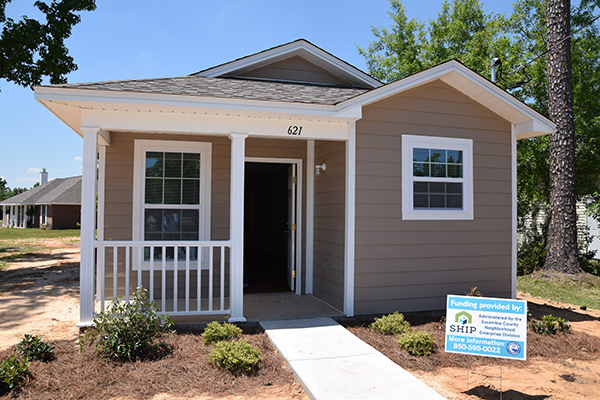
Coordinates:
(321, 167)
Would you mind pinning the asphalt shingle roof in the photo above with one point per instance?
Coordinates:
(229, 88)
(57, 191)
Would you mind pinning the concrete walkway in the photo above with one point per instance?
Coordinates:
(332, 363)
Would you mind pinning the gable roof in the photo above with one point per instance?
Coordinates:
(59, 191)
(227, 88)
(303, 49)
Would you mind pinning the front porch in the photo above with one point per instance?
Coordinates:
(202, 278)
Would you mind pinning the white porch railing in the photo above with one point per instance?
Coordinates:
(183, 278)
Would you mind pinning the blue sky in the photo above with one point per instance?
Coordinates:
(147, 39)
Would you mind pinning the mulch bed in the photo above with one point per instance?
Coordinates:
(183, 371)
(575, 345)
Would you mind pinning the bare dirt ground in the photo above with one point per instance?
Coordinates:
(39, 295)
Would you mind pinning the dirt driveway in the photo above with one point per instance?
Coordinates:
(40, 295)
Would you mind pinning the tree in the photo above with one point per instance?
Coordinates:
(462, 30)
(5, 191)
(30, 49)
(561, 247)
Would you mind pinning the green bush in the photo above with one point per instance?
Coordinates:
(550, 325)
(216, 332)
(591, 266)
(391, 324)
(34, 348)
(238, 356)
(127, 330)
(417, 343)
(13, 373)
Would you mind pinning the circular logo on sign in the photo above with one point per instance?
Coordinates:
(513, 348)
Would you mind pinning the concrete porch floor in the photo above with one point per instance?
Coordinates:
(278, 306)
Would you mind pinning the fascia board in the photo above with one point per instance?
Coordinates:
(46, 94)
(250, 60)
(542, 124)
(289, 50)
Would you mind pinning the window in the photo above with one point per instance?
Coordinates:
(171, 195)
(437, 178)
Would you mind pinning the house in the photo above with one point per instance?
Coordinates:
(55, 204)
(294, 169)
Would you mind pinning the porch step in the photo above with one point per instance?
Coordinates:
(331, 363)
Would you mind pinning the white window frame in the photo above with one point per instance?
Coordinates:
(141, 147)
(409, 142)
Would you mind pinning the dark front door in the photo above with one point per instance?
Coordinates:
(267, 228)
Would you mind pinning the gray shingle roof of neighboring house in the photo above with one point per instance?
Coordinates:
(59, 191)
(230, 88)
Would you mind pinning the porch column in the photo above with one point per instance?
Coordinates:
(310, 214)
(236, 228)
(3, 215)
(350, 220)
(88, 226)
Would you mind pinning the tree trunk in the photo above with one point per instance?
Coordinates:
(561, 250)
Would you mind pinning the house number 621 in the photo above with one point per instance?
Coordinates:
(294, 130)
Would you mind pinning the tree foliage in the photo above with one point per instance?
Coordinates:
(6, 192)
(32, 49)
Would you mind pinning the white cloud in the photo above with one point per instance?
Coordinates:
(27, 180)
(77, 158)
(33, 171)
(57, 170)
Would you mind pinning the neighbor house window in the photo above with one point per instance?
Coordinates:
(437, 178)
(171, 196)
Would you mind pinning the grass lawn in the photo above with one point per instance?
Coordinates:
(579, 292)
(16, 243)
(18, 233)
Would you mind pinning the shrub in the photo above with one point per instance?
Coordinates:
(127, 330)
(550, 325)
(391, 324)
(237, 356)
(216, 332)
(417, 343)
(34, 348)
(13, 373)
(591, 267)
(473, 292)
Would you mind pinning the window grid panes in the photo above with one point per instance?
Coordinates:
(171, 180)
(437, 163)
(446, 166)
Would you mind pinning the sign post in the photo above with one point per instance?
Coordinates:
(485, 326)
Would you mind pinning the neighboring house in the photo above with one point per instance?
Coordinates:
(55, 205)
(292, 169)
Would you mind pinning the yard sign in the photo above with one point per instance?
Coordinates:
(487, 327)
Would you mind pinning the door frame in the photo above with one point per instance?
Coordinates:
(299, 205)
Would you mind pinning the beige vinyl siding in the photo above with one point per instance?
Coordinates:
(330, 223)
(119, 187)
(295, 69)
(404, 265)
